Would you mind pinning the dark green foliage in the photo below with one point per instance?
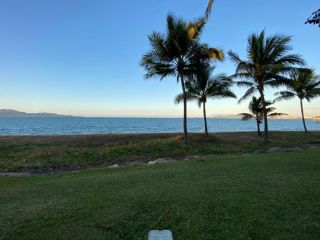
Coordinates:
(304, 84)
(314, 19)
(256, 112)
(268, 62)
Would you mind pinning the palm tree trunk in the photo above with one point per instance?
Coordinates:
(302, 114)
(205, 119)
(265, 118)
(258, 125)
(185, 129)
(259, 131)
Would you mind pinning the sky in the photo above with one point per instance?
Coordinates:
(81, 57)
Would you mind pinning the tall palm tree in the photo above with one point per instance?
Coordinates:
(267, 62)
(177, 54)
(256, 112)
(202, 85)
(304, 84)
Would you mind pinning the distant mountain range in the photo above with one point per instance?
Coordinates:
(7, 113)
(224, 116)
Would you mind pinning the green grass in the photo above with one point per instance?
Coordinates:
(45, 154)
(266, 196)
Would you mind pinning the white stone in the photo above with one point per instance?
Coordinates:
(114, 166)
(276, 149)
(160, 235)
(161, 161)
(15, 174)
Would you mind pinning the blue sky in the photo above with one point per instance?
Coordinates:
(82, 57)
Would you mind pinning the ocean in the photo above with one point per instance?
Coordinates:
(79, 125)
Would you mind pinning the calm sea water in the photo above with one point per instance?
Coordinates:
(49, 126)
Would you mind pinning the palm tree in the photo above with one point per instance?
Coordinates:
(256, 112)
(193, 27)
(314, 19)
(304, 84)
(202, 86)
(209, 9)
(177, 54)
(268, 61)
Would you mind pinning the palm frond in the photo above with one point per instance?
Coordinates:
(246, 116)
(244, 84)
(283, 95)
(156, 67)
(314, 93)
(290, 59)
(235, 58)
(179, 98)
(247, 94)
(208, 9)
(276, 114)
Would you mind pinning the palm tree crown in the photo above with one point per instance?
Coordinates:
(256, 112)
(177, 54)
(304, 84)
(202, 85)
(268, 60)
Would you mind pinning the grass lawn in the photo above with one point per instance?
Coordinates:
(265, 196)
(63, 153)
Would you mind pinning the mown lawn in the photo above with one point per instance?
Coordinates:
(55, 153)
(266, 196)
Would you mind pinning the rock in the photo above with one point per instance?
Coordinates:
(114, 166)
(16, 174)
(161, 161)
(280, 149)
(276, 149)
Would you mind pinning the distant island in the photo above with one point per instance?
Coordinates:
(8, 113)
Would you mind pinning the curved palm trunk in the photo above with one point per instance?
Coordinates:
(185, 129)
(205, 119)
(265, 118)
(302, 115)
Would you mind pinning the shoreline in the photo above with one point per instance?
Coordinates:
(146, 134)
(286, 117)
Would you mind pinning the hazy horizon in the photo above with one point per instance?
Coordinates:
(145, 116)
(82, 58)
